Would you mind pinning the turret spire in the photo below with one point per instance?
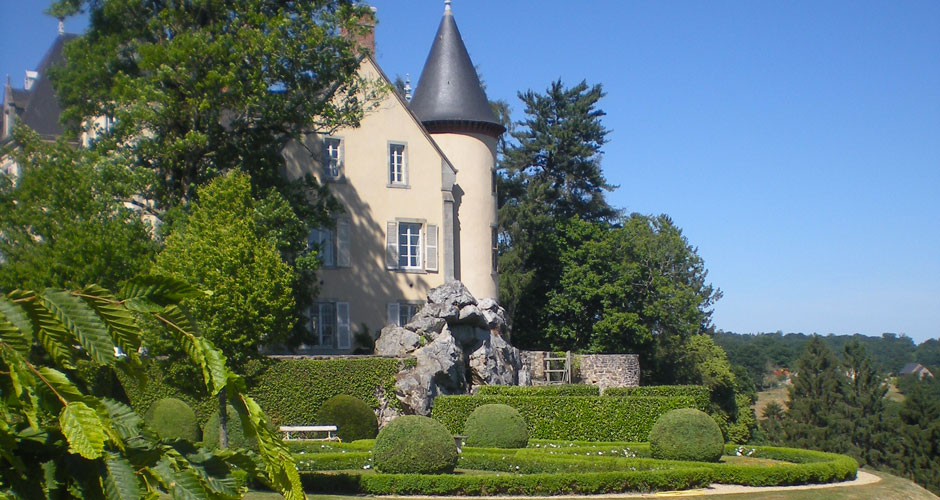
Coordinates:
(449, 93)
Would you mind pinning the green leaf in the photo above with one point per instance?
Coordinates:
(214, 369)
(52, 334)
(82, 429)
(120, 482)
(13, 336)
(123, 418)
(61, 384)
(15, 327)
(184, 485)
(120, 321)
(154, 293)
(82, 321)
(278, 461)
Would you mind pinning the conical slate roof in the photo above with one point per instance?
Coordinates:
(449, 94)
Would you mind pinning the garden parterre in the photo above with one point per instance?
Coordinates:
(565, 467)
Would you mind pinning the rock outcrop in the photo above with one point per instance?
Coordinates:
(458, 343)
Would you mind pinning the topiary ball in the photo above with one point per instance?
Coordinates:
(352, 417)
(686, 434)
(236, 433)
(496, 426)
(171, 418)
(415, 445)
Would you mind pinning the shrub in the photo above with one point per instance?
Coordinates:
(236, 433)
(686, 434)
(539, 390)
(415, 445)
(572, 418)
(496, 426)
(352, 417)
(171, 418)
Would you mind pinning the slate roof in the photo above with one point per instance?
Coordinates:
(38, 108)
(449, 92)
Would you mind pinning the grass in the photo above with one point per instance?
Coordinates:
(779, 394)
(890, 488)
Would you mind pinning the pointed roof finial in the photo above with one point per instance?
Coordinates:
(61, 26)
(407, 87)
(447, 7)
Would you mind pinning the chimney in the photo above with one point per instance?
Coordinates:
(364, 41)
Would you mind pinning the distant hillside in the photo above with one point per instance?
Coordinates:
(761, 352)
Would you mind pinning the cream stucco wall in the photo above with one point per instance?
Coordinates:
(369, 203)
(474, 156)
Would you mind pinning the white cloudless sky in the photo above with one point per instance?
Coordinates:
(797, 144)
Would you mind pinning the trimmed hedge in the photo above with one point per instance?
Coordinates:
(544, 471)
(588, 418)
(686, 434)
(511, 484)
(171, 418)
(353, 418)
(415, 445)
(496, 426)
(291, 391)
(666, 391)
(155, 387)
(539, 390)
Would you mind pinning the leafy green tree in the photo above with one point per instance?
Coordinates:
(62, 440)
(639, 288)
(816, 418)
(550, 172)
(222, 248)
(199, 88)
(61, 220)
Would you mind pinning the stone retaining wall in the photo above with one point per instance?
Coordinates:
(602, 370)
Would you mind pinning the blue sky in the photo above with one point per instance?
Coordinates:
(797, 144)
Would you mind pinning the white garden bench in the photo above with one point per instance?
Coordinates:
(304, 430)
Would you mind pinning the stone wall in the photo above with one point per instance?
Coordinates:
(602, 370)
(610, 370)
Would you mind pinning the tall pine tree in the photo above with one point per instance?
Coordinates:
(873, 440)
(816, 418)
(550, 174)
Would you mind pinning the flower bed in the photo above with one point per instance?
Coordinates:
(557, 468)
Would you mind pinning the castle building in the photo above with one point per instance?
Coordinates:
(416, 181)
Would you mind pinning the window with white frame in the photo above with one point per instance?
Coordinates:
(333, 157)
(330, 325)
(400, 313)
(411, 245)
(331, 244)
(397, 165)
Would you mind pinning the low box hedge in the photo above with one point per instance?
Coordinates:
(589, 418)
(562, 467)
(539, 390)
(587, 483)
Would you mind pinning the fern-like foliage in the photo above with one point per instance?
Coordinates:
(57, 440)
